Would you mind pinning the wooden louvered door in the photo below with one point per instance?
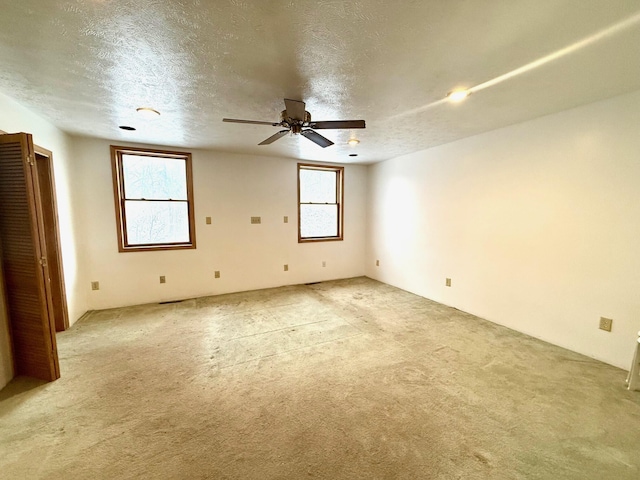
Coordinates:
(26, 275)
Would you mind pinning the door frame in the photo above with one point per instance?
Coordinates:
(44, 167)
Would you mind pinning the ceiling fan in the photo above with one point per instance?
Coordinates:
(297, 120)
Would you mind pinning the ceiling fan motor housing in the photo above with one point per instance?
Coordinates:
(294, 124)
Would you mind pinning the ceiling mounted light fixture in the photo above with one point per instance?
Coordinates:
(126, 127)
(353, 142)
(148, 112)
(458, 95)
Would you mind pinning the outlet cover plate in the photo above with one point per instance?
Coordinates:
(95, 285)
(216, 274)
(256, 220)
(606, 324)
(448, 282)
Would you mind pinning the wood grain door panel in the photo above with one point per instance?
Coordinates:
(44, 166)
(24, 261)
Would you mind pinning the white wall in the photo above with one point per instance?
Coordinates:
(230, 188)
(16, 118)
(537, 225)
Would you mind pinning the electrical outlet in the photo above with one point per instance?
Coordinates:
(448, 282)
(163, 279)
(324, 264)
(377, 263)
(286, 219)
(95, 285)
(286, 268)
(216, 274)
(256, 220)
(606, 324)
(208, 220)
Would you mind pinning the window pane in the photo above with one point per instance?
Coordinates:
(154, 177)
(318, 221)
(317, 186)
(157, 222)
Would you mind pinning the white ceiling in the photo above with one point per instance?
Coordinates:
(87, 64)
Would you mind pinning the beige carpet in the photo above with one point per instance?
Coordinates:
(349, 379)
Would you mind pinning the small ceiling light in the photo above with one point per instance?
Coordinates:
(458, 95)
(353, 142)
(127, 127)
(148, 112)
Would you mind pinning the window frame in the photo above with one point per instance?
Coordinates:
(119, 196)
(339, 202)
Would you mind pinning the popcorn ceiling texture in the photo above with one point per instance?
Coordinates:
(86, 66)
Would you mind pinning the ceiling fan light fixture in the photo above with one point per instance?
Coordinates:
(458, 95)
(148, 112)
(353, 142)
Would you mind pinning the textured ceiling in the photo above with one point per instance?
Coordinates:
(86, 65)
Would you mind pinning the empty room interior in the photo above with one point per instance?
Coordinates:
(263, 239)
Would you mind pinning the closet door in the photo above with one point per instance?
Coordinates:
(26, 276)
(44, 166)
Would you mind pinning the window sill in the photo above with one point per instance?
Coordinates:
(320, 239)
(155, 248)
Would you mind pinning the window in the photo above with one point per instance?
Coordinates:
(154, 199)
(320, 197)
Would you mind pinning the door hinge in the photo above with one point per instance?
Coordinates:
(43, 261)
(31, 159)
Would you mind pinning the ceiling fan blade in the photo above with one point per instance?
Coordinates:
(317, 138)
(253, 122)
(273, 138)
(338, 124)
(295, 109)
